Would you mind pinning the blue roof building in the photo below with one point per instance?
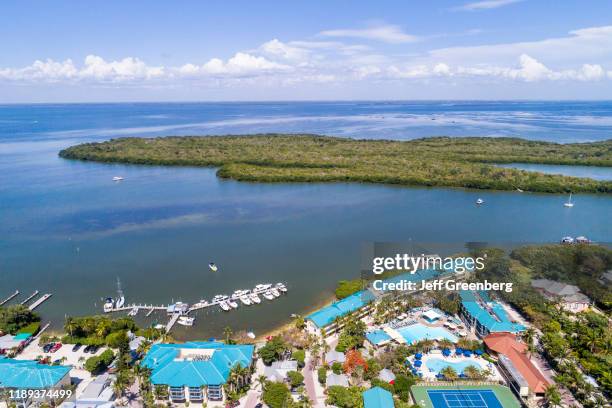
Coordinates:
(327, 315)
(377, 398)
(487, 316)
(28, 374)
(188, 368)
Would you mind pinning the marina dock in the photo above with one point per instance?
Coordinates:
(179, 309)
(8, 299)
(40, 301)
(30, 297)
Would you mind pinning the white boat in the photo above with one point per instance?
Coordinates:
(569, 202)
(120, 298)
(275, 292)
(117, 178)
(133, 312)
(268, 295)
(281, 287)
(251, 335)
(224, 306)
(159, 326)
(582, 240)
(254, 298)
(519, 190)
(213, 267)
(220, 298)
(109, 305)
(262, 286)
(567, 240)
(480, 201)
(233, 304)
(186, 320)
(245, 299)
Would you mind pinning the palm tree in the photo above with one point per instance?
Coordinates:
(528, 337)
(552, 397)
(445, 344)
(227, 333)
(449, 373)
(472, 372)
(261, 381)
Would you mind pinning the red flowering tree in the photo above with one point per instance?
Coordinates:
(354, 359)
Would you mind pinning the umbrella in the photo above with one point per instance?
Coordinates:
(439, 376)
(446, 352)
(459, 350)
(418, 356)
(467, 353)
(479, 352)
(418, 363)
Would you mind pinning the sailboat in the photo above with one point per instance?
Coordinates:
(569, 202)
(213, 267)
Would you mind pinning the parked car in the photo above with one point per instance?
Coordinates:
(76, 347)
(47, 347)
(87, 349)
(56, 347)
(94, 349)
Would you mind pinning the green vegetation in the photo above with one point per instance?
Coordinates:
(438, 161)
(276, 395)
(97, 330)
(322, 374)
(295, 379)
(299, 356)
(345, 397)
(274, 350)
(97, 364)
(346, 288)
(352, 335)
(14, 319)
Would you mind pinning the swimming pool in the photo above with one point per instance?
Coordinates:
(437, 364)
(417, 332)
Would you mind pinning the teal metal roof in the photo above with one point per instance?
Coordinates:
(377, 336)
(168, 369)
(495, 319)
(377, 398)
(30, 374)
(325, 316)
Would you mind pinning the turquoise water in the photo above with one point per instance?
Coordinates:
(595, 173)
(418, 332)
(68, 229)
(438, 364)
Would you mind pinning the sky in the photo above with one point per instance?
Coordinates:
(117, 51)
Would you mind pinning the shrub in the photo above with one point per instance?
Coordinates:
(276, 395)
(322, 375)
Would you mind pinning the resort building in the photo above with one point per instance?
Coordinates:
(569, 296)
(377, 398)
(278, 370)
(97, 394)
(11, 345)
(196, 371)
(523, 377)
(485, 315)
(327, 320)
(31, 375)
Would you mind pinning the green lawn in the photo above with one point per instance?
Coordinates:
(503, 394)
(440, 161)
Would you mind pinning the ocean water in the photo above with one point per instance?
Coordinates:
(68, 229)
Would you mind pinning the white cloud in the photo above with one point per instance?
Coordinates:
(276, 48)
(387, 33)
(486, 5)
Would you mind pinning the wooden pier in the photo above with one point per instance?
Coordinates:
(30, 297)
(8, 299)
(40, 301)
(172, 321)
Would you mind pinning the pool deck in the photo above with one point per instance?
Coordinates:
(431, 375)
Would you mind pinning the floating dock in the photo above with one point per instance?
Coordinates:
(30, 297)
(40, 301)
(8, 299)
(172, 321)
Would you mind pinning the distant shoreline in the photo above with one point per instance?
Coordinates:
(461, 162)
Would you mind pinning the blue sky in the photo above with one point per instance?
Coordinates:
(72, 51)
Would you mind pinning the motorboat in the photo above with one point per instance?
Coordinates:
(220, 298)
(186, 320)
(109, 305)
(582, 240)
(251, 335)
(117, 178)
(480, 201)
(567, 240)
(213, 267)
(281, 287)
(275, 292)
(133, 312)
(262, 286)
(268, 295)
(254, 298)
(120, 301)
(569, 203)
(225, 306)
(233, 304)
(245, 299)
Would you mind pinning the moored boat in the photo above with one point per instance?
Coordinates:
(186, 320)
(254, 298)
(268, 295)
(245, 299)
(224, 306)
